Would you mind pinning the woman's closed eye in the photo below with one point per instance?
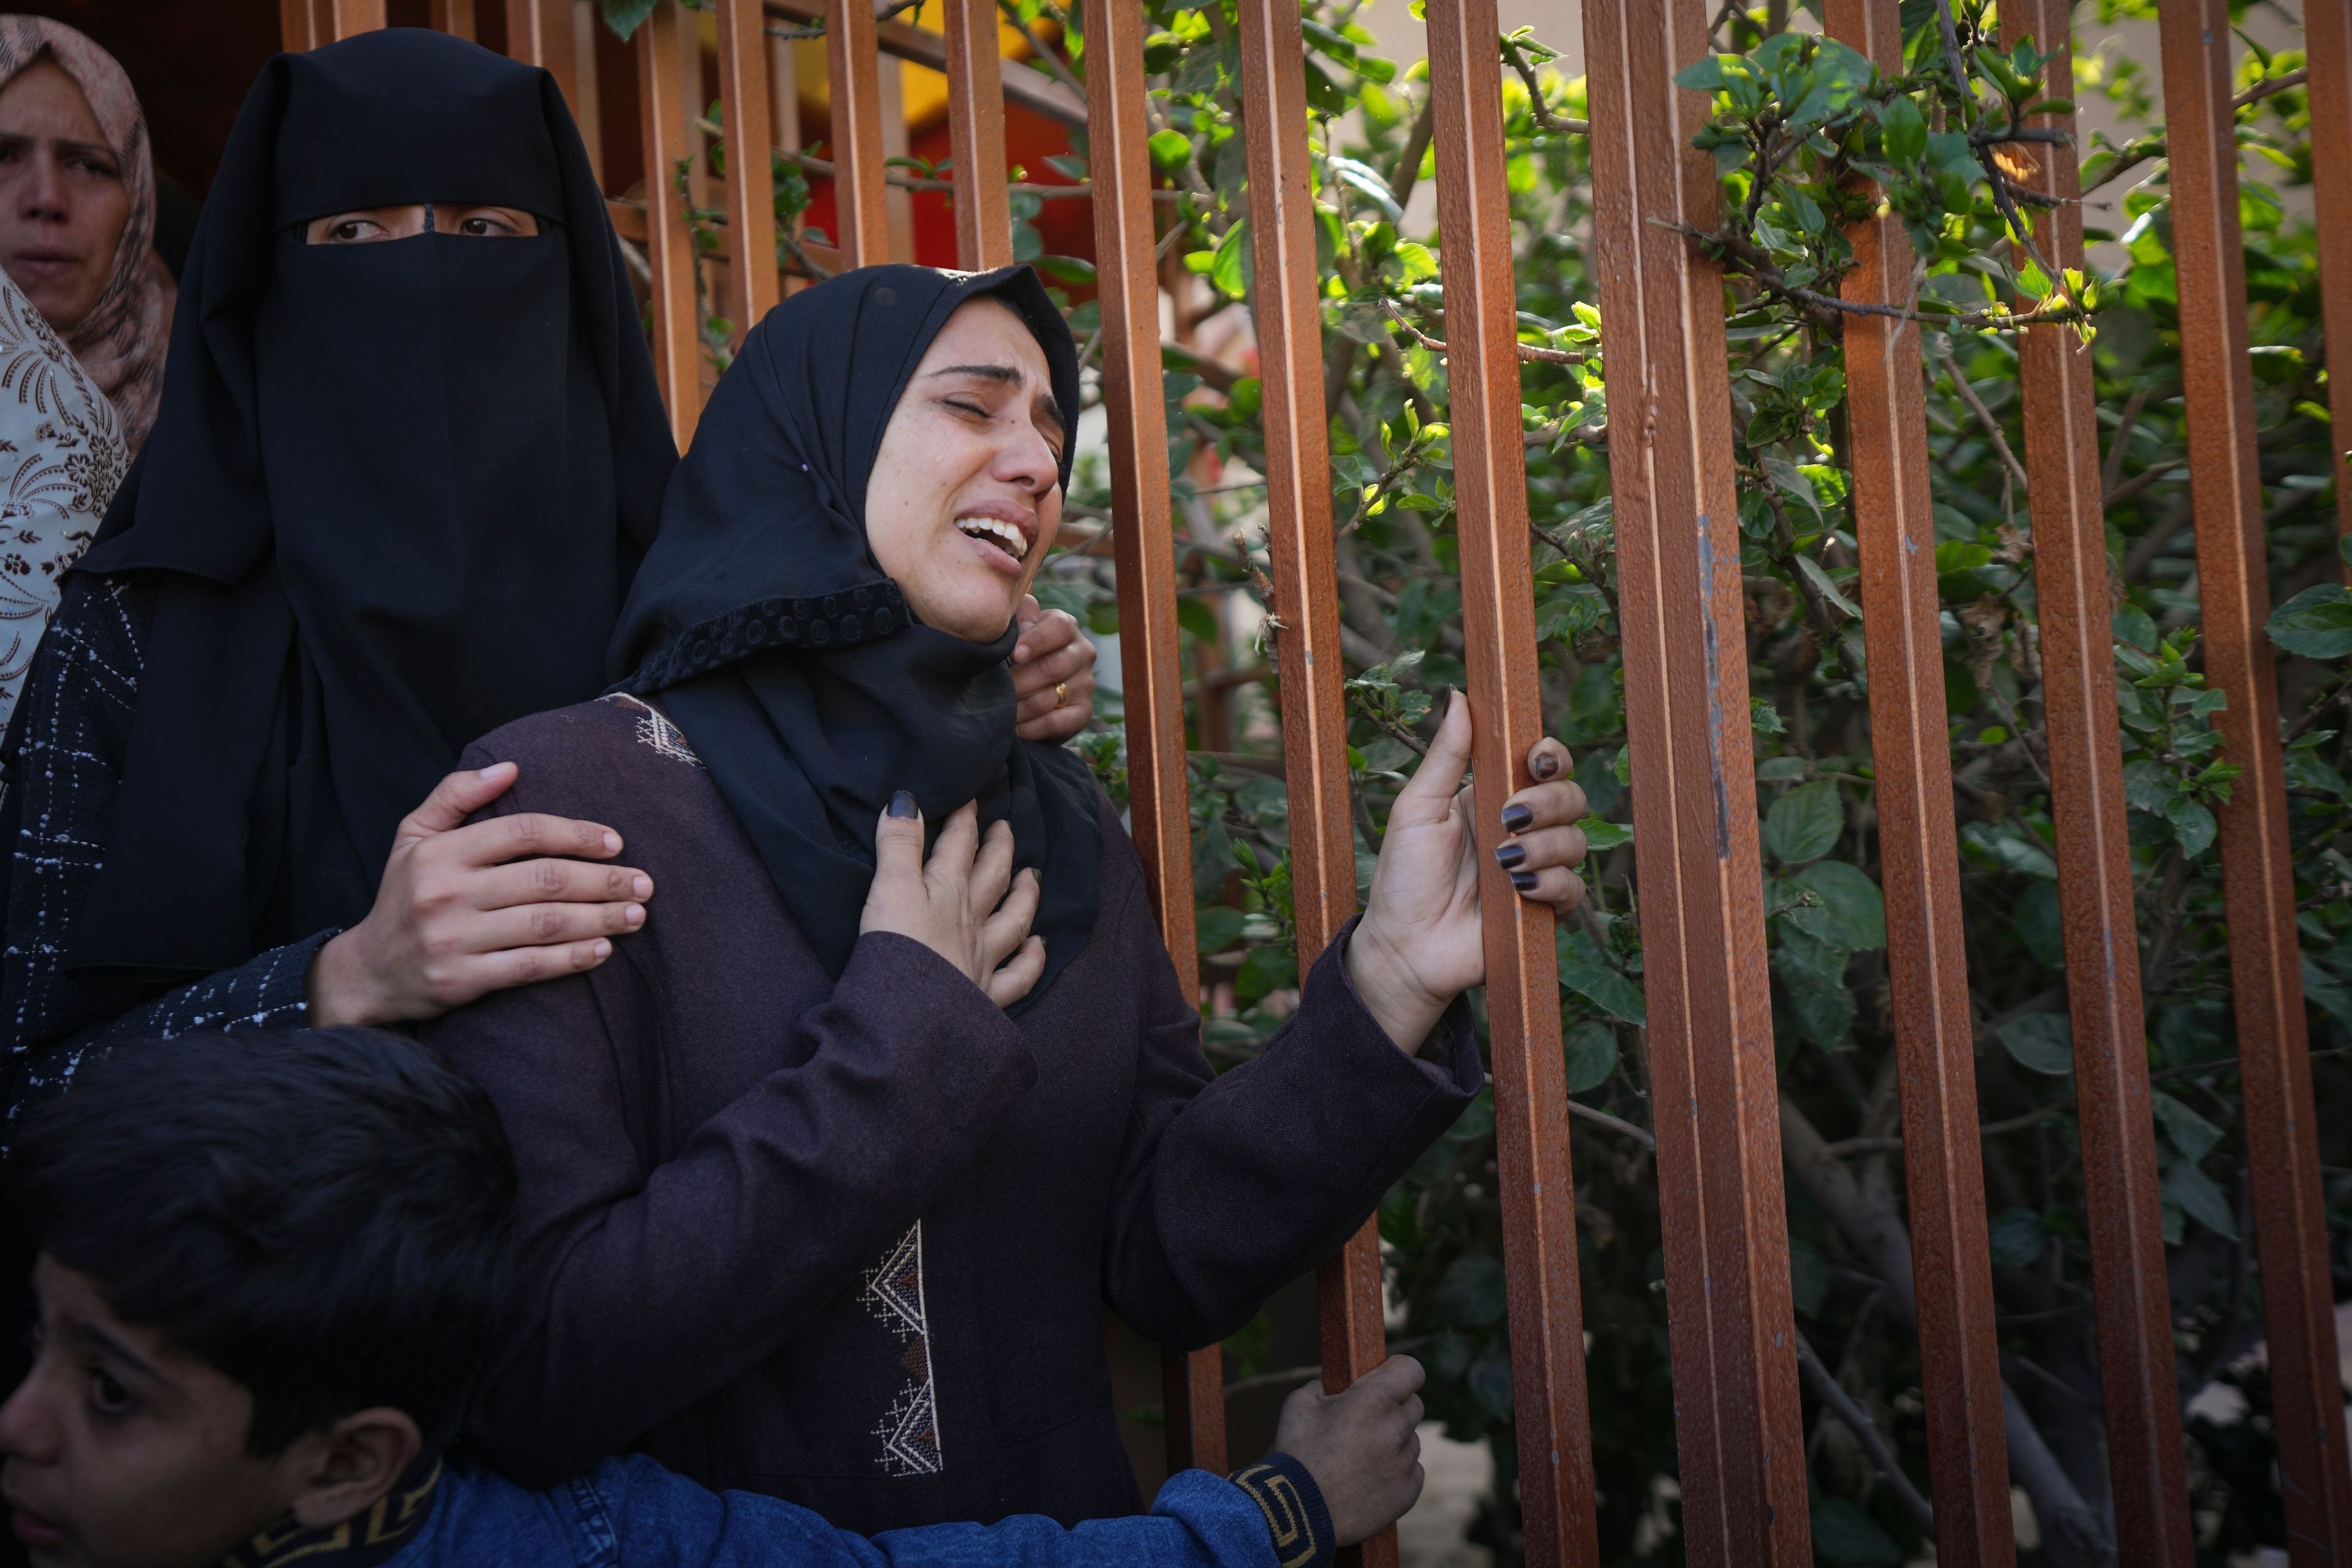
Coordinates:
(973, 407)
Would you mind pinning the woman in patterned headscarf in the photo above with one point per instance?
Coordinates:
(77, 211)
(61, 456)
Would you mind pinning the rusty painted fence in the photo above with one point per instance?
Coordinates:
(1719, 1137)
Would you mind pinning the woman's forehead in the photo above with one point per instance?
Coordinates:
(44, 99)
(988, 331)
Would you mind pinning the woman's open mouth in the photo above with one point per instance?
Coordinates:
(995, 531)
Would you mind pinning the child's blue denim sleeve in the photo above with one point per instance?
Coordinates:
(658, 1519)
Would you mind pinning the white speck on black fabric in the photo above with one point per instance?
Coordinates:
(73, 728)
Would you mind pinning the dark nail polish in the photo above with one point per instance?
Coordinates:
(1509, 854)
(1525, 882)
(903, 804)
(1544, 765)
(1517, 818)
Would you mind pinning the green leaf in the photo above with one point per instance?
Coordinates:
(2325, 991)
(1228, 273)
(1790, 481)
(1192, 614)
(1265, 970)
(2148, 786)
(2010, 847)
(1490, 1384)
(1219, 927)
(1419, 265)
(624, 17)
(1699, 76)
(2018, 1237)
(2315, 623)
(1326, 42)
(1821, 580)
(1470, 1295)
(2192, 824)
(1846, 1537)
(1075, 270)
(1849, 912)
(1809, 1277)
(1590, 1053)
(2034, 918)
(1370, 184)
(1583, 971)
(1171, 150)
(1814, 974)
(2200, 1200)
(1903, 132)
(1602, 834)
(2187, 1132)
(2041, 1042)
(1804, 824)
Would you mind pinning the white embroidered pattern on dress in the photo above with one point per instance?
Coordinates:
(61, 458)
(655, 730)
(910, 1430)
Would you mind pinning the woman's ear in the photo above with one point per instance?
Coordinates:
(345, 1468)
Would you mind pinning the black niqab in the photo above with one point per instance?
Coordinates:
(393, 497)
(793, 664)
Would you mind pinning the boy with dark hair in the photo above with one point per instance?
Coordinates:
(270, 1264)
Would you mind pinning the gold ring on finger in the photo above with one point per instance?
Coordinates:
(1061, 694)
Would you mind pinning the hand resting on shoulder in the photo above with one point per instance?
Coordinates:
(464, 909)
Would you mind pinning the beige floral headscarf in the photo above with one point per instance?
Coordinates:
(61, 456)
(122, 340)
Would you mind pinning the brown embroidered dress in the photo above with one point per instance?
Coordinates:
(848, 1243)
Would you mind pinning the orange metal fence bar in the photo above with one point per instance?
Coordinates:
(853, 71)
(295, 31)
(1714, 1094)
(2257, 869)
(750, 197)
(1531, 1144)
(453, 16)
(663, 39)
(976, 136)
(2327, 53)
(1935, 1033)
(306, 24)
(2072, 570)
(1289, 324)
(1128, 280)
(541, 33)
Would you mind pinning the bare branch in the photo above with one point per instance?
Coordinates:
(1832, 1393)
(1991, 427)
(1618, 1125)
(1557, 125)
(1530, 353)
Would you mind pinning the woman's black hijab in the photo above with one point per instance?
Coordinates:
(793, 664)
(393, 499)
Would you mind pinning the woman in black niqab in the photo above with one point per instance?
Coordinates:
(393, 499)
(808, 686)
